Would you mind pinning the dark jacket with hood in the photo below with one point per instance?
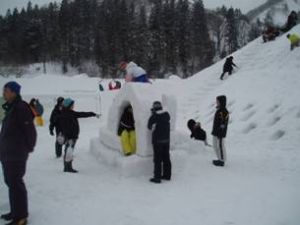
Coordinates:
(228, 66)
(221, 119)
(198, 133)
(54, 119)
(127, 121)
(68, 122)
(18, 134)
(160, 123)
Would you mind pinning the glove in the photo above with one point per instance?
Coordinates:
(51, 133)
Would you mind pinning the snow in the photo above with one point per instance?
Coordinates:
(259, 185)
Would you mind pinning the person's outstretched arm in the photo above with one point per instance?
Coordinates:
(84, 114)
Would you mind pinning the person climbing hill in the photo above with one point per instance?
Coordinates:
(294, 39)
(134, 73)
(228, 67)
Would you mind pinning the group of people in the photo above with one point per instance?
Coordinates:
(18, 139)
(272, 32)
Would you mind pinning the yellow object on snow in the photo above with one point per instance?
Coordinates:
(294, 38)
(128, 142)
(39, 121)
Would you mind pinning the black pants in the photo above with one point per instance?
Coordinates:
(58, 149)
(13, 177)
(226, 71)
(162, 161)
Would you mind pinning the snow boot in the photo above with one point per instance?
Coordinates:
(155, 180)
(69, 168)
(7, 217)
(166, 178)
(218, 163)
(18, 222)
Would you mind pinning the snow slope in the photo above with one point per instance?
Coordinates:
(259, 185)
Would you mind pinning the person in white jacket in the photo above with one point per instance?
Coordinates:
(134, 73)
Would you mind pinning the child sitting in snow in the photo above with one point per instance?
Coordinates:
(196, 131)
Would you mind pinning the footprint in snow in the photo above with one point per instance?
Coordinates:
(277, 135)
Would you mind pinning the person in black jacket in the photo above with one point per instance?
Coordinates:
(159, 122)
(17, 139)
(54, 124)
(228, 67)
(196, 131)
(69, 125)
(219, 131)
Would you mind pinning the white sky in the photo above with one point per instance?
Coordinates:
(10, 4)
(244, 5)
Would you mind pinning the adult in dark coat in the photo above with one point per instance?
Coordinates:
(196, 131)
(54, 125)
(219, 131)
(228, 67)
(291, 21)
(69, 125)
(160, 123)
(17, 139)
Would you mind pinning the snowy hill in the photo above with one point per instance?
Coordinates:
(260, 184)
(276, 11)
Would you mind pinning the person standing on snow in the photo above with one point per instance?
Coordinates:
(159, 122)
(68, 122)
(219, 131)
(54, 124)
(228, 67)
(294, 39)
(196, 131)
(126, 132)
(17, 139)
(134, 73)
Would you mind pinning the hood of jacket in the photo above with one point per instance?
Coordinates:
(222, 100)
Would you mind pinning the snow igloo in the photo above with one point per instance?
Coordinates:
(107, 147)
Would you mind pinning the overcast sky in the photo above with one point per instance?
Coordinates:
(10, 4)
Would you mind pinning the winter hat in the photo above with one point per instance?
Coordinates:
(123, 65)
(156, 106)
(288, 36)
(13, 86)
(191, 123)
(68, 103)
(60, 100)
(223, 101)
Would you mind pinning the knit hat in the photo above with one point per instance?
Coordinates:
(156, 106)
(13, 86)
(191, 123)
(60, 100)
(123, 65)
(68, 103)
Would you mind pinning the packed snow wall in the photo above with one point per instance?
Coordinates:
(141, 97)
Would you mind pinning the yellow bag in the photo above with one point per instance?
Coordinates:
(39, 121)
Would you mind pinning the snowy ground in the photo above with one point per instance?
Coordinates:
(260, 184)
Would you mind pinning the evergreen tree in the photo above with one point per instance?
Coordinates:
(203, 48)
(231, 31)
(183, 35)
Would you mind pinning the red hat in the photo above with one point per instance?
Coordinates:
(123, 65)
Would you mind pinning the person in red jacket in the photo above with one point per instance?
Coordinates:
(17, 139)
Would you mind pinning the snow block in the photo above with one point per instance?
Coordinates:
(141, 96)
